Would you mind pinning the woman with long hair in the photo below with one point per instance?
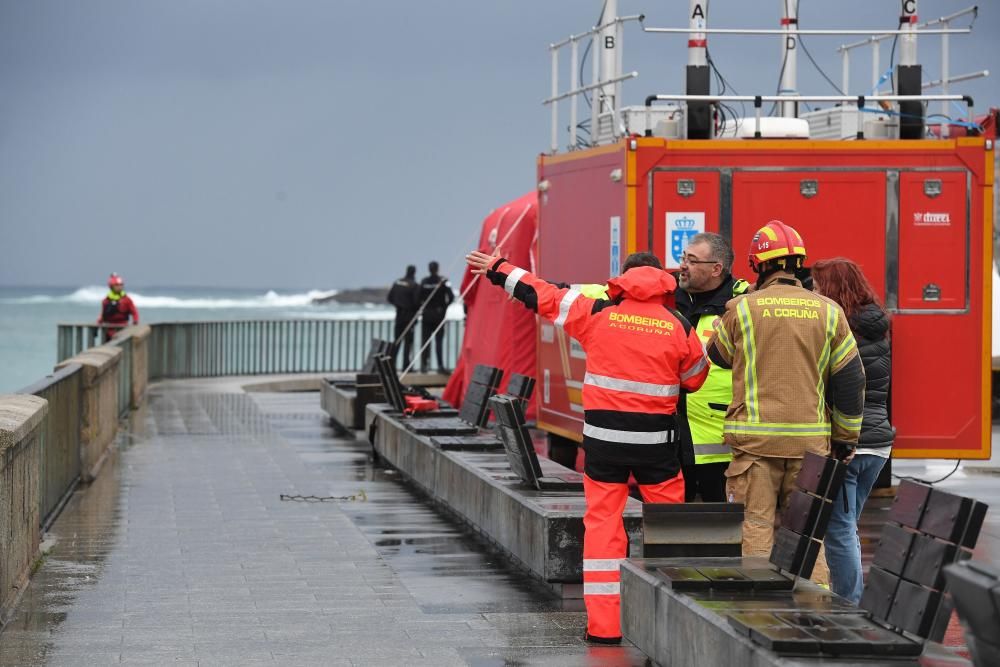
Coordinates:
(842, 280)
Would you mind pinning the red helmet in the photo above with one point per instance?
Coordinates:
(773, 241)
(115, 280)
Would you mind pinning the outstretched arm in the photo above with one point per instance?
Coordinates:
(564, 306)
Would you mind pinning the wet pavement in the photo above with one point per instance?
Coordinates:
(182, 552)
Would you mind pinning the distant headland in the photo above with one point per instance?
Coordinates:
(357, 295)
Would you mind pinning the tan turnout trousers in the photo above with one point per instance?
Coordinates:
(762, 484)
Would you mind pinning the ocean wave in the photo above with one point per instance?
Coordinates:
(94, 295)
(367, 311)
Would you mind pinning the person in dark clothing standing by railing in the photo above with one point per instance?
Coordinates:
(404, 295)
(436, 296)
(842, 280)
(116, 308)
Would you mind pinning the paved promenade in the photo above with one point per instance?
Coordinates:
(182, 553)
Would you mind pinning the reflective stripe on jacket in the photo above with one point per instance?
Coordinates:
(640, 354)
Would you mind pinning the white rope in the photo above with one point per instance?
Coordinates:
(430, 338)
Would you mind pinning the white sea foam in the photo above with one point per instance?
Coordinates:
(93, 294)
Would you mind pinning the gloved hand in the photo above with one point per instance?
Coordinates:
(842, 451)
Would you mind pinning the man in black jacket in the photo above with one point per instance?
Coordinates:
(404, 295)
(436, 296)
(705, 285)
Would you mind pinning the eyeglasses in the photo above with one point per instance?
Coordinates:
(691, 259)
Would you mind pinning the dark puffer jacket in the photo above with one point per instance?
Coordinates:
(870, 326)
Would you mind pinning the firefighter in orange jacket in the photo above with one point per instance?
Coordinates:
(798, 382)
(640, 355)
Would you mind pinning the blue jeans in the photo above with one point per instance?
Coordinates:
(843, 546)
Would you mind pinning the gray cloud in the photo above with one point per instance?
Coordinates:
(318, 144)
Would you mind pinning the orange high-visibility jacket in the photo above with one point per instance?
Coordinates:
(640, 353)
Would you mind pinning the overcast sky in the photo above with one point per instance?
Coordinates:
(319, 144)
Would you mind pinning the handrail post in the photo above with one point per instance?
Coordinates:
(554, 144)
(845, 70)
(876, 74)
(595, 77)
(945, 129)
(619, 27)
(574, 83)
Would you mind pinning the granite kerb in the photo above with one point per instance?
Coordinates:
(96, 362)
(20, 415)
(676, 628)
(99, 422)
(21, 420)
(541, 529)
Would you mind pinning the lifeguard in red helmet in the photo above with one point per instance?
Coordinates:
(117, 307)
(640, 355)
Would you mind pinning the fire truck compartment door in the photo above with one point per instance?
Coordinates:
(839, 213)
(933, 254)
(683, 203)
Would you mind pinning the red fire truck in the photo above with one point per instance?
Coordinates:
(915, 212)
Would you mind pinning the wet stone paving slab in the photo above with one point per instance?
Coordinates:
(182, 552)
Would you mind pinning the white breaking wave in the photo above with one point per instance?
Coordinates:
(94, 295)
(368, 311)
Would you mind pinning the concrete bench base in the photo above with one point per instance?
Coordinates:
(676, 628)
(485, 442)
(340, 400)
(540, 530)
(345, 401)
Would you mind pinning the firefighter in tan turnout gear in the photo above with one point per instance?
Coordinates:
(798, 382)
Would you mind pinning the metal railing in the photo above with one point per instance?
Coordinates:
(59, 436)
(257, 347)
(72, 339)
(124, 374)
(758, 100)
(606, 78)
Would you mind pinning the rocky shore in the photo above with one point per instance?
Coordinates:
(358, 295)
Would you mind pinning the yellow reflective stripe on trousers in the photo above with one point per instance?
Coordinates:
(750, 354)
(824, 360)
(745, 428)
(605, 588)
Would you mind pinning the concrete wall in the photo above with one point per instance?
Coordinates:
(139, 334)
(53, 433)
(20, 468)
(99, 422)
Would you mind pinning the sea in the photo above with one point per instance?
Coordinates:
(29, 315)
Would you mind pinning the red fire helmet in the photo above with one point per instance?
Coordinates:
(775, 240)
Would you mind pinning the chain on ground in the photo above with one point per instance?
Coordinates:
(360, 496)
